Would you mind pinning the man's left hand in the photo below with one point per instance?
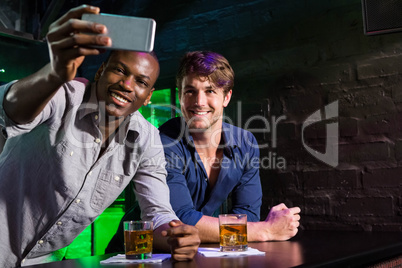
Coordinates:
(183, 240)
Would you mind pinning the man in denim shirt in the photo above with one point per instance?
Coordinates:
(208, 159)
(72, 148)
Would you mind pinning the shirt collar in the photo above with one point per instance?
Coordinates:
(228, 141)
(90, 103)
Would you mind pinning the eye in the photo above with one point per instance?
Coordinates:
(142, 83)
(118, 70)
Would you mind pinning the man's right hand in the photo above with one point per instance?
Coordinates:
(282, 222)
(69, 40)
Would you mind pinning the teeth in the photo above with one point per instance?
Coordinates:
(114, 95)
(200, 113)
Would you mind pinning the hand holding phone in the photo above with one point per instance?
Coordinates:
(127, 33)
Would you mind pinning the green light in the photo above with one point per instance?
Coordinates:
(2, 71)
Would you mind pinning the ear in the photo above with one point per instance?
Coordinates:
(99, 72)
(149, 97)
(227, 98)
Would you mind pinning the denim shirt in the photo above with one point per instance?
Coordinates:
(53, 184)
(188, 180)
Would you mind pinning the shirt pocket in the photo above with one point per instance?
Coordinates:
(108, 186)
(70, 155)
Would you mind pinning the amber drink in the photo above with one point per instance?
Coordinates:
(138, 239)
(233, 232)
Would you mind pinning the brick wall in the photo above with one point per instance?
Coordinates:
(292, 58)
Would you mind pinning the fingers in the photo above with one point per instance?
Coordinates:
(170, 232)
(283, 222)
(294, 231)
(182, 245)
(295, 220)
(281, 206)
(77, 13)
(78, 44)
(295, 224)
(175, 223)
(74, 26)
(181, 230)
(76, 32)
(183, 240)
(295, 216)
(295, 210)
(185, 255)
(70, 39)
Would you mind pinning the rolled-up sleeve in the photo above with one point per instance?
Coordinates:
(150, 185)
(12, 129)
(4, 121)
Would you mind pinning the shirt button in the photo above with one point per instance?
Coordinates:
(97, 140)
(116, 178)
(96, 117)
(71, 154)
(77, 201)
(90, 173)
(206, 179)
(59, 223)
(23, 260)
(40, 242)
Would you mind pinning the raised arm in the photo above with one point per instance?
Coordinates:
(68, 41)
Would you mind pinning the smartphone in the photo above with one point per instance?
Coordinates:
(127, 33)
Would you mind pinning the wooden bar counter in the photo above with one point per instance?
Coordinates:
(306, 249)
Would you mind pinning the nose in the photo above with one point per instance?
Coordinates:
(201, 98)
(126, 83)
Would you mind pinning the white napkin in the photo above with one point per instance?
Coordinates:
(215, 252)
(121, 258)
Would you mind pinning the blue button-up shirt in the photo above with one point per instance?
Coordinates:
(188, 180)
(53, 183)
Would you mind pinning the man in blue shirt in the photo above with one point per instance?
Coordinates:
(207, 159)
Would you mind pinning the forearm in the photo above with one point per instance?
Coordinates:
(28, 96)
(208, 229)
(256, 232)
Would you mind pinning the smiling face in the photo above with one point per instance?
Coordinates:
(202, 103)
(125, 82)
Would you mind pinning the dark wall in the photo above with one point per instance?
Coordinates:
(20, 58)
(292, 58)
